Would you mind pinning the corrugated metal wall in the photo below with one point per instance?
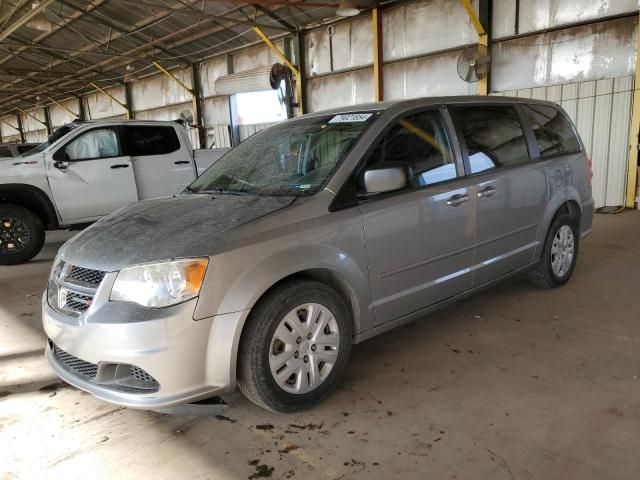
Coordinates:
(421, 44)
(601, 110)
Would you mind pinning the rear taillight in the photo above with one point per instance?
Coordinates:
(589, 165)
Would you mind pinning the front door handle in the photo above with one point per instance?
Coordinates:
(458, 199)
(119, 165)
(486, 192)
(181, 162)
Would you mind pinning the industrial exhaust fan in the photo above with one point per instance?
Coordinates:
(473, 63)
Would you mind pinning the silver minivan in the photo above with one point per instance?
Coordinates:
(310, 236)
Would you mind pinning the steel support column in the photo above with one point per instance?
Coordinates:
(632, 158)
(20, 129)
(82, 111)
(378, 74)
(187, 89)
(128, 100)
(77, 115)
(295, 70)
(124, 106)
(480, 22)
(197, 104)
(301, 82)
(234, 119)
(47, 120)
(45, 124)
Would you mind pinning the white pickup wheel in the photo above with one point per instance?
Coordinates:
(21, 234)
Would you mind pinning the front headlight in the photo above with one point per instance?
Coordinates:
(158, 285)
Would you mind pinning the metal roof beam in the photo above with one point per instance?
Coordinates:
(7, 31)
(275, 17)
(56, 28)
(26, 46)
(202, 14)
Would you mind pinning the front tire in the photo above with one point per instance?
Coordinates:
(21, 234)
(295, 346)
(559, 255)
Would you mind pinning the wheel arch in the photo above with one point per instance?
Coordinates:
(568, 203)
(32, 198)
(328, 277)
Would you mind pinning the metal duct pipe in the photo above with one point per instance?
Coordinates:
(255, 80)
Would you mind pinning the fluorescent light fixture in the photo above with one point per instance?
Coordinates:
(347, 9)
(39, 20)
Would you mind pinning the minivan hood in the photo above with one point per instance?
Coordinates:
(165, 228)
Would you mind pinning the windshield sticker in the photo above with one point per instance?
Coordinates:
(351, 117)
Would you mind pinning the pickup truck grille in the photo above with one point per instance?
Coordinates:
(71, 288)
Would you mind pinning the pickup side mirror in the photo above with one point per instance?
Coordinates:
(385, 180)
(60, 165)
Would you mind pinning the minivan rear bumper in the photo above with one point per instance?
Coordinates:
(190, 360)
(587, 217)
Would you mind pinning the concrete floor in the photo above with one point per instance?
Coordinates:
(515, 383)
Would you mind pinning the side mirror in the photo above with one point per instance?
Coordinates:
(385, 180)
(60, 165)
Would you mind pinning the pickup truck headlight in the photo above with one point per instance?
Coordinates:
(157, 285)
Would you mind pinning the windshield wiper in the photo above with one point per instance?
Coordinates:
(226, 191)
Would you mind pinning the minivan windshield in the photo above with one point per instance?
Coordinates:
(293, 158)
(57, 134)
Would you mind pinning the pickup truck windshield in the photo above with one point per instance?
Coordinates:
(292, 159)
(53, 138)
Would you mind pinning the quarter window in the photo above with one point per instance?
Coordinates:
(94, 144)
(150, 140)
(552, 130)
(24, 148)
(419, 143)
(493, 136)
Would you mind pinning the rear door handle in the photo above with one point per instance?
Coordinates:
(120, 165)
(458, 199)
(181, 162)
(486, 192)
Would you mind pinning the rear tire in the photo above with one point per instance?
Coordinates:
(21, 234)
(295, 347)
(559, 255)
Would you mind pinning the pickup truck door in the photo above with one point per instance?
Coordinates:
(162, 164)
(89, 176)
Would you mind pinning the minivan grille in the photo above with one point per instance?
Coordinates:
(80, 367)
(84, 276)
(114, 376)
(71, 288)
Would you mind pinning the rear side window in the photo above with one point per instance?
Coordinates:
(418, 142)
(24, 148)
(493, 136)
(552, 130)
(150, 140)
(5, 152)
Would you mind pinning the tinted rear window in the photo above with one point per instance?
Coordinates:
(552, 130)
(5, 152)
(150, 140)
(493, 136)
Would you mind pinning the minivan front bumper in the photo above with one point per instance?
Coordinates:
(190, 360)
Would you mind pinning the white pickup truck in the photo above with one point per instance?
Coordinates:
(88, 169)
